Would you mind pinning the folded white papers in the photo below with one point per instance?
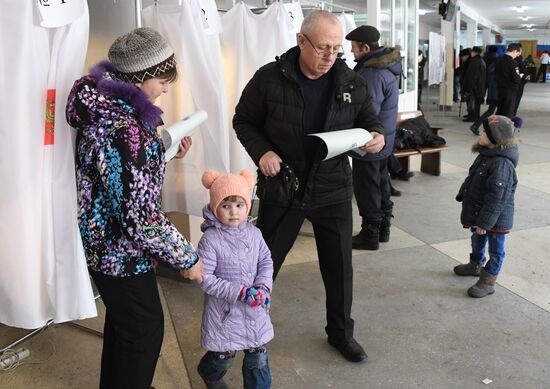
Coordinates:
(339, 142)
(172, 136)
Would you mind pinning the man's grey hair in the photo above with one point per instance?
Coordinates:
(314, 17)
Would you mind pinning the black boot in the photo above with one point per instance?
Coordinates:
(385, 224)
(484, 286)
(368, 238)
(470, 269)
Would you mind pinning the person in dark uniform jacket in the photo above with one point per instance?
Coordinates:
(508, 80)
(380, 67)
(306, 90)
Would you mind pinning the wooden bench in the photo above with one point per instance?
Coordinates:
(431, 156)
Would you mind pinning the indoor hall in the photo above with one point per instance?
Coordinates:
(411, 312)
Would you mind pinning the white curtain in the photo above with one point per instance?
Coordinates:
(201, 85)
(44, 274)
(348, 25)
(250, 41)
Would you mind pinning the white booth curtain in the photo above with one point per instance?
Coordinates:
(44, 274)
(348, 25)
(216, 58)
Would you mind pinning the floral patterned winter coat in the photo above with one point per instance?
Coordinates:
(120, 169)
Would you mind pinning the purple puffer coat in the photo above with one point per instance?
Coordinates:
(233, 258)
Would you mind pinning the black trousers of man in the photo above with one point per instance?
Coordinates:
(542, 70)
(473, 107)
(133, 331)
(332, 226)
(506, 104)
(371, 186)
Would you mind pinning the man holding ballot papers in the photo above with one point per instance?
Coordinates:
(310, 90)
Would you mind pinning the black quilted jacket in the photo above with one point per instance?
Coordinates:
(269, 114)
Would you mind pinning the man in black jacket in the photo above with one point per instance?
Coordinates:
(508, 80)
(308, 90)
(474, 84)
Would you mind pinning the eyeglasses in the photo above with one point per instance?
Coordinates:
(326, 50)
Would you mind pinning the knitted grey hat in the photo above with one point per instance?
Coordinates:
(501, 129)
(141, 54)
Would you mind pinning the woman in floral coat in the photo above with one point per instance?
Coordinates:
(120, 169)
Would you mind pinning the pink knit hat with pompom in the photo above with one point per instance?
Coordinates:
(225, 185)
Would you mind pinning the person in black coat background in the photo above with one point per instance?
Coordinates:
(508, 80)
(473, 85)
(524, 78)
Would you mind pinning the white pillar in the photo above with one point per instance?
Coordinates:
(373, 13)
(471, 33)
(446, 88)
(487, 37)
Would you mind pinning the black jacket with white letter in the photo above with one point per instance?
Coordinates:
(269, 114)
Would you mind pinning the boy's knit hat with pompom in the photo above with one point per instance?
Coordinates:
(229, 184)
(502, 130)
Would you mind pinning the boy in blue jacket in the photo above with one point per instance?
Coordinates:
(487, 197)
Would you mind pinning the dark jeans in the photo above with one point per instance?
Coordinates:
(133, 331)
(371, 186)
(256, 374)
(332, 226)
(496, 250)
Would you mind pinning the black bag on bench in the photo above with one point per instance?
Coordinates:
(415, 133)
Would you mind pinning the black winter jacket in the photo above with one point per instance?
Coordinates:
(506, 75)
(269, 117)
(475, 76)
(487, 194)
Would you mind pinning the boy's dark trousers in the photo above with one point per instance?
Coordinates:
(332, 226)
(133, 331)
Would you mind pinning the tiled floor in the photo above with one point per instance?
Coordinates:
(411, 313)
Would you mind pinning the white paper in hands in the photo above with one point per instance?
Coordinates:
(172, 136)
(339, 142)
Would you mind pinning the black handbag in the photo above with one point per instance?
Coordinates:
(278, 190)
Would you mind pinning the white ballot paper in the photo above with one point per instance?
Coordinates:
(172, 136)
(338, 142)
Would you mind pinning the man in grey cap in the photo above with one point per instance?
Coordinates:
(380, 67)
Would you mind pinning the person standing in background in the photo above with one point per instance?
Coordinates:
(421, 64)
(508, 79)
(380, 67)
(544, 59)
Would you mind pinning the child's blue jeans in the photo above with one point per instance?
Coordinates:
(496, 250)
(256, 373)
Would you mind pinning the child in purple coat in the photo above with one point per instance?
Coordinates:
(237, 281)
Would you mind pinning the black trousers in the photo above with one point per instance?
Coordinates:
(542, 70)
(506, 102)
(473, 107)
(490, 110)
(133, 331)
(332, 226)
(371, 186)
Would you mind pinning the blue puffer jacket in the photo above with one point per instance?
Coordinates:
(233, 258)
(381, 69)
(487, 194)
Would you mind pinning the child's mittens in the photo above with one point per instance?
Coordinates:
(255, 296)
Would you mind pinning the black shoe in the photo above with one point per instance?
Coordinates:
(350, 349)
(402, 175)
(394, 192)
(474, 129)
(468, 120)
(367, 238)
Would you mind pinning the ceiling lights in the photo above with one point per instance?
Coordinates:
(525, 18)
(519, 8)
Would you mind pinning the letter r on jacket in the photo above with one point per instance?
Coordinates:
(346, 96)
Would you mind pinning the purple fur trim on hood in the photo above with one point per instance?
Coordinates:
(108, 85)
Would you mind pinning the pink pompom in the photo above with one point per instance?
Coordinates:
(209, 177)
(249, 177)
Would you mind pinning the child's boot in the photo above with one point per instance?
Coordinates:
(368, 238)
(484, 286)
(470, 269)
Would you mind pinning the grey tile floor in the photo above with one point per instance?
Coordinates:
(411, 313)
